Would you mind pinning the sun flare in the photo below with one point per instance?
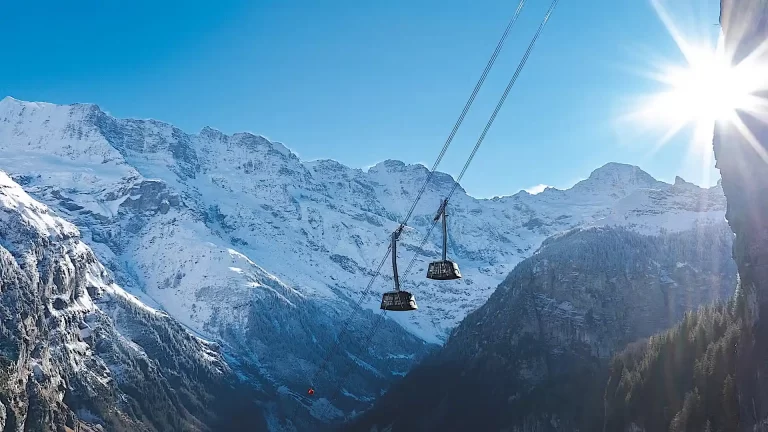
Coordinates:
(706, 88)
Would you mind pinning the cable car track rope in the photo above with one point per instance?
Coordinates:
(488, 125)
(471, 99)
(447, 144)
(480, 140)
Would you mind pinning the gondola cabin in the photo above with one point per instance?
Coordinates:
(400, 301)
(397, 300)
(443, 270)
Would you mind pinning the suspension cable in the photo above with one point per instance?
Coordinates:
(345, 326)
(466, 165)
(471, 99)
(488, 125)
(504, 96)
(447, 143)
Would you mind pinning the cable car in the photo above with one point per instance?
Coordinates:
(397, 300)
(400, 301)
(445, 269)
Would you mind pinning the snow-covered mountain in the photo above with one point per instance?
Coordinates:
(319, 226)
(192, 251)
(78, 351)
(242, 242)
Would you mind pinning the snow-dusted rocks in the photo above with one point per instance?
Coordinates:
(77, 350)
(203, 243)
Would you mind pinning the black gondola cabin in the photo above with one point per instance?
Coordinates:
(399, 301)
(444, 269)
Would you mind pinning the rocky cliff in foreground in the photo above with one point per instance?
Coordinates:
(709, 372)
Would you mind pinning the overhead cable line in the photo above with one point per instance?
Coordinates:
(447, 143)
(488, 125)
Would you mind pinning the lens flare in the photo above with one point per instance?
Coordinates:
(707, 88)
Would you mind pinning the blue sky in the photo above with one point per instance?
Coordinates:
(361, 82)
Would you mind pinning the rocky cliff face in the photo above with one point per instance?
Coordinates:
(741, 150)
(78, 351)
(535, 356)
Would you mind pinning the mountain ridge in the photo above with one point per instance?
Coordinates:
(145, 150)
(242, 242)
(214, 132)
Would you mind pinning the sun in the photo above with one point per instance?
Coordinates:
(706, 88)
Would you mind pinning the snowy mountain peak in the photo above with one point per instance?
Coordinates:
(10, 105)
(213, 133)
(617, 180)
(253, 141)
(329, 166)
(680, 183)
(87, 108)
(12, 101)
(620, 173)
(8, 100)
(393, 165)
(416, 173)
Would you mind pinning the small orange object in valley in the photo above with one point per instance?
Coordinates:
(311, 391)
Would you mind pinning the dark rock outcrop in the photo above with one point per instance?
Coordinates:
(741, 150)
(535, 356)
